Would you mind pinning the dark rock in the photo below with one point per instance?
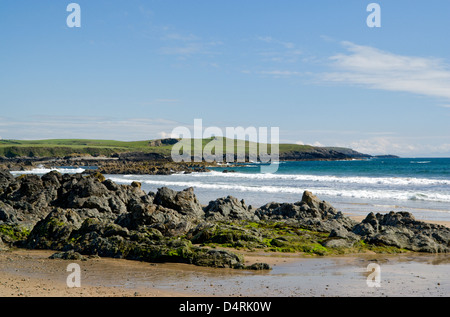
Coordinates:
(341, 232)
(52, 179)
(136, 184)
(259, 267)
(8, 214)
(141, 156)
(54, 231)
(310, 213)
(68, 255)
(29, 200)
(219, 259)
(5, 179)
(228, 171)
(167, 221)
(185, 202)
(85, 187)
(90, 215)
(229, 208)
(110, 185)
(402, 230)
(116, 205)
(277, 211)
(322, 153)
(29, 189)
(227, 234)
(325, 209)
(116, 230)
(3, 246)
(338, 243)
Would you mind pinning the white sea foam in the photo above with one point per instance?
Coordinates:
(333, 179)
(41, 170)
(321, 191)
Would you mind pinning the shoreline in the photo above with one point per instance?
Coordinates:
(349, 204)
(134, 233)
(30, 273)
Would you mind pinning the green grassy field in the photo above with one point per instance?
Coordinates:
(235, 143)
(61, 148)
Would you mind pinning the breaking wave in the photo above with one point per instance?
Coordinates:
(41, 170)
(382, 194)
(333, 179)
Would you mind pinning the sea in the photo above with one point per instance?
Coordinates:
(420, 186)
(355, 187)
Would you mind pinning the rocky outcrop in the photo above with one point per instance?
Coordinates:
(141, 156)
(310, 213)
(402, 230)
(2, 245)
(322, 153)
(121, 163)
(229, 208)
(25, 200)
(5, 179)
(149, 167)
(185, 202)
(91, 215)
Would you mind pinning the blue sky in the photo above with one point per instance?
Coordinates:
(137, 69)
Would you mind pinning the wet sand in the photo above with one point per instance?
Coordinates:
(30, 273)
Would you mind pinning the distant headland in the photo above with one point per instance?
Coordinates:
(139, 157)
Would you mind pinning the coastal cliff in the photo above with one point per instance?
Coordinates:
(146, 157)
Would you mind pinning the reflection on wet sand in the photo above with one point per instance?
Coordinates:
(401, 275)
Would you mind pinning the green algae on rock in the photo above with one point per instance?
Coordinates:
(94, 216)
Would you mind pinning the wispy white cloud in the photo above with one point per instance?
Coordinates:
(167, 100)
(381, 145)
(279, 73)
(272, 73)
(278, 51)
(269, 39)
(273, 58)
(402, 146)
(50, 127)
(161, 102)
(186, 44)
(376, 69)
(180, 37)
(317, 143)
(184, 50)
(146, 12)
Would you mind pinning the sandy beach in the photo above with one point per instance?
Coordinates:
(30, 273)
(215, 150)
